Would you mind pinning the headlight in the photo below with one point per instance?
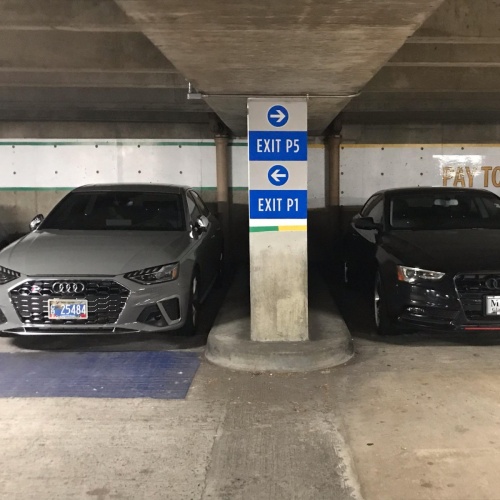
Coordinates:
(7, 275)
(413, 274)
(153, 275)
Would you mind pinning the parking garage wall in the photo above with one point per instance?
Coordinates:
(37, 173)
(375, 157)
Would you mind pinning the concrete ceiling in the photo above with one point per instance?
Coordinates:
(130, 60)
(322, 48)
(448, 71)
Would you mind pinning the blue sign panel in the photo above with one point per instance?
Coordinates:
(276, 146)
(277, 115)
(285, 204)
(278, 175)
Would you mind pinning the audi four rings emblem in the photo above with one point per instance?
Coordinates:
(68, 287)
(493, 283)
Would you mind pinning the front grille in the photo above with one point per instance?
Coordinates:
(472, 288)
(106, 300)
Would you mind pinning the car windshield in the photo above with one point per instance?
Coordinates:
(444, 210)
(118, 210)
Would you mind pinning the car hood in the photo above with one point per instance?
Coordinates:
(463, 250)
(110, 253)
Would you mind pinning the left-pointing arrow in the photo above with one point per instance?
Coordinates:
(276, 175)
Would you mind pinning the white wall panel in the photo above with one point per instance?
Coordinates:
(59, 164)
(366, 169)
(52, 164)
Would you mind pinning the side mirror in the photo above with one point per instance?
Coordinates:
(37, 220)
(202, 224)
(367, 223)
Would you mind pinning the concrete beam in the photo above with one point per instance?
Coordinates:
(88, 15)
(119, 97)
(62, 50)
(447, 54)
(464, 19)
(92, 79)
(280, 48)
(437, 102)
(94, 104)
(435, 79)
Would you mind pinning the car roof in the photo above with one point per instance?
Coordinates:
(430, 189)
(145, 187)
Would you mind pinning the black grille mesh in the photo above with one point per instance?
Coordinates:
(106, 300)
(472, 289)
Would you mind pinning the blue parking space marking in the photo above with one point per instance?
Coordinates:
(159, 375)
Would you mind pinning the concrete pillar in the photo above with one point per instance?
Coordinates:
(278, 286)
(278, 219)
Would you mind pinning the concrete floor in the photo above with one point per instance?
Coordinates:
(411, 417)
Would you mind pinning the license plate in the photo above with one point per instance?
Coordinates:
(68, 309)
(493, 305)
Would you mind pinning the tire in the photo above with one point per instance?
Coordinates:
(383, 323)
(191, 325)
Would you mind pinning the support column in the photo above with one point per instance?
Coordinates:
(277, 146)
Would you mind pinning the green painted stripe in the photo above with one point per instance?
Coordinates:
(111, 142)
(127, 142)
(262, 229)
(30, 188)
(214, 188)
(36, 188)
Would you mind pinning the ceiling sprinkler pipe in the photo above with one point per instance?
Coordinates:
(275, 96)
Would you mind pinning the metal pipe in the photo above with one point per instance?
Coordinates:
(333, 144)
(221, 149)
(307, 96)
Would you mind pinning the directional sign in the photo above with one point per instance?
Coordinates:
(278, 175)
(277, 115)
(270, 146)
(277, 154)
(278, 204)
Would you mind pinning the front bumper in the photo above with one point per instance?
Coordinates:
(139, 308)
(440, 306)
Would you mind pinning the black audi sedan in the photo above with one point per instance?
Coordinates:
(432, 256)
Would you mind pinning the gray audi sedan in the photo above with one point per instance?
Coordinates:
(115, 258)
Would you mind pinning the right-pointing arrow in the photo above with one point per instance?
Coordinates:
(279, 116)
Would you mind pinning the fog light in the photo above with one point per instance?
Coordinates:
(172, 308)
(152, 315)
(3, 319)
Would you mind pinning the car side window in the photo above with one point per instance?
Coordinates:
(377, 212)
(194, 211)
(200, 203)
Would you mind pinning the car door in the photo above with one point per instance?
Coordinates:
(209, 248)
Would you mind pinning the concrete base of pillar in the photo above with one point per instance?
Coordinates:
(229, 343)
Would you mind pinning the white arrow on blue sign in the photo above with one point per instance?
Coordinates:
(277, 115)
(278, 175)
